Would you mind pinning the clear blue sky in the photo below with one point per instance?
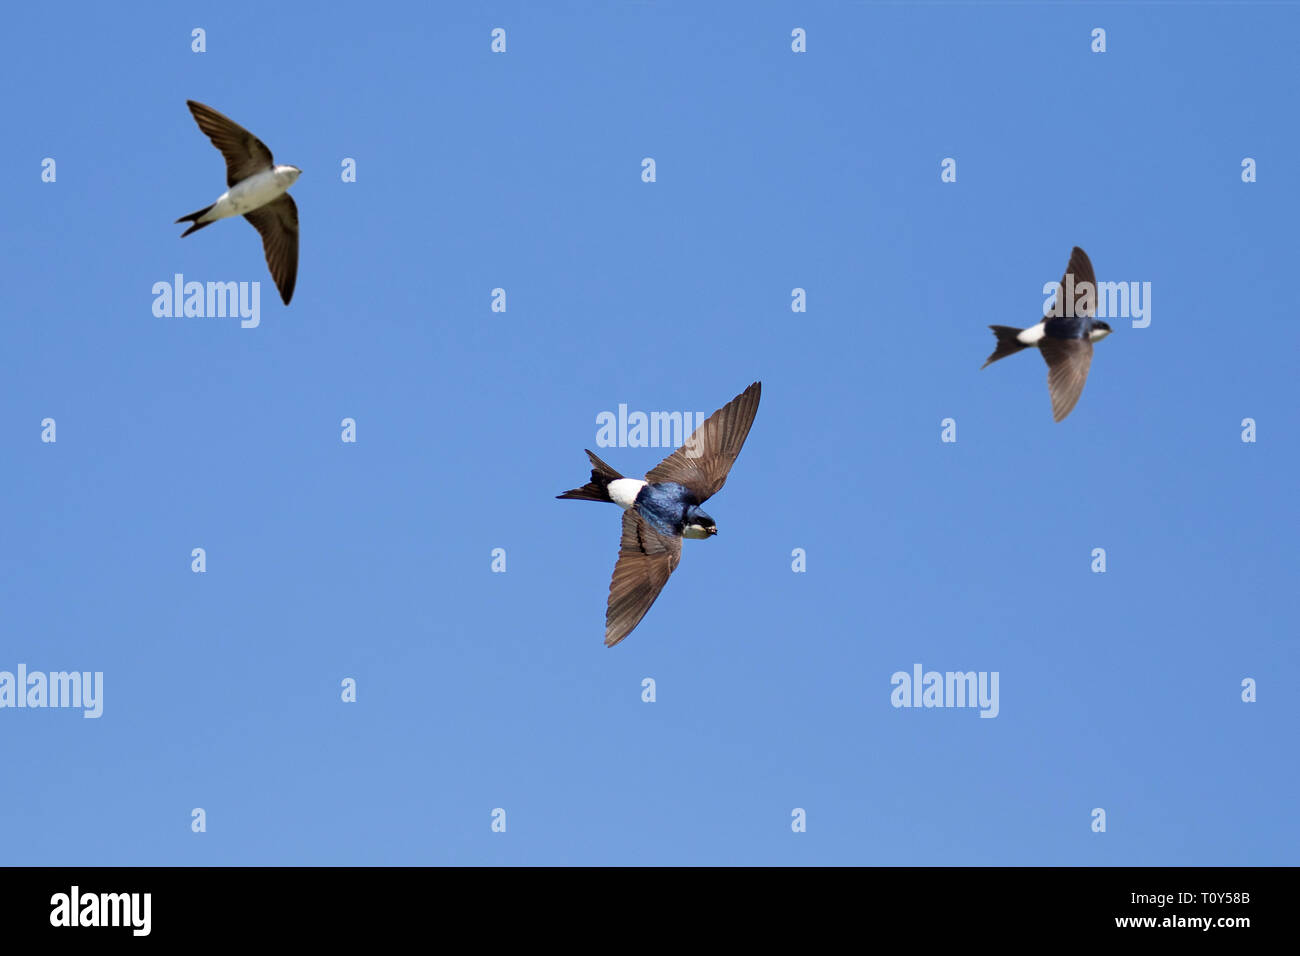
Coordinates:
(522, 171)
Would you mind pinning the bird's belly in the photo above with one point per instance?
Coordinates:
(252, 193)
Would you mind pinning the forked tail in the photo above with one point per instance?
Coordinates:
(598, 488)
(1008, 344)
(194, 218)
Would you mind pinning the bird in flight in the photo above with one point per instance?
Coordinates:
(664, 508)
(256, 192)
(1064, 336)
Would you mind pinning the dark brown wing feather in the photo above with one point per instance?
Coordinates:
(277, 221)
(1068, 361)
(1081, 268)
(645, 560)
(245, 154)
(703, 462)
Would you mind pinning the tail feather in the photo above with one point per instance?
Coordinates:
(194, 218)
(598, 488)
(1008, 344)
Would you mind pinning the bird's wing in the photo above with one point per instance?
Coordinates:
(1067, 369)
(245, 154)
(277, 221)
(1080, 266)
(703, 462)
(645, 560)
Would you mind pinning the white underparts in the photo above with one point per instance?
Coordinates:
(249, 194)
(1031, 335)
(623, 491)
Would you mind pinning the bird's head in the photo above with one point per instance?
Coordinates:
(291, 173)
(1099, 331)
(698, 524)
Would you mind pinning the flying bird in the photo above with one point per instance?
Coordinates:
(664, 508)
(257, 192)
(1064, 336)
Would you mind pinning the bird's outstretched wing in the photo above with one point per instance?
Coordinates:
(1068, 361)
(1080, 266)
(645, 560)
(703, 462)
(277, 221)
(245, 154)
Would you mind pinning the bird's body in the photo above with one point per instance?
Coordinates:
(1064, 336)
(673, 509)
(664, 507)
(669, 507)
(249, 194)
(257, 191)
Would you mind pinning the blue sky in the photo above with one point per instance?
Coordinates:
(775, 170)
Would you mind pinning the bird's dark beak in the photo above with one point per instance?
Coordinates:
(713, 531)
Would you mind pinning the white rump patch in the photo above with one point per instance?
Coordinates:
(625, 490)
(1031, 335)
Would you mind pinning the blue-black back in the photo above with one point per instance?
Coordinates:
(665, 505)
(1068, 327)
